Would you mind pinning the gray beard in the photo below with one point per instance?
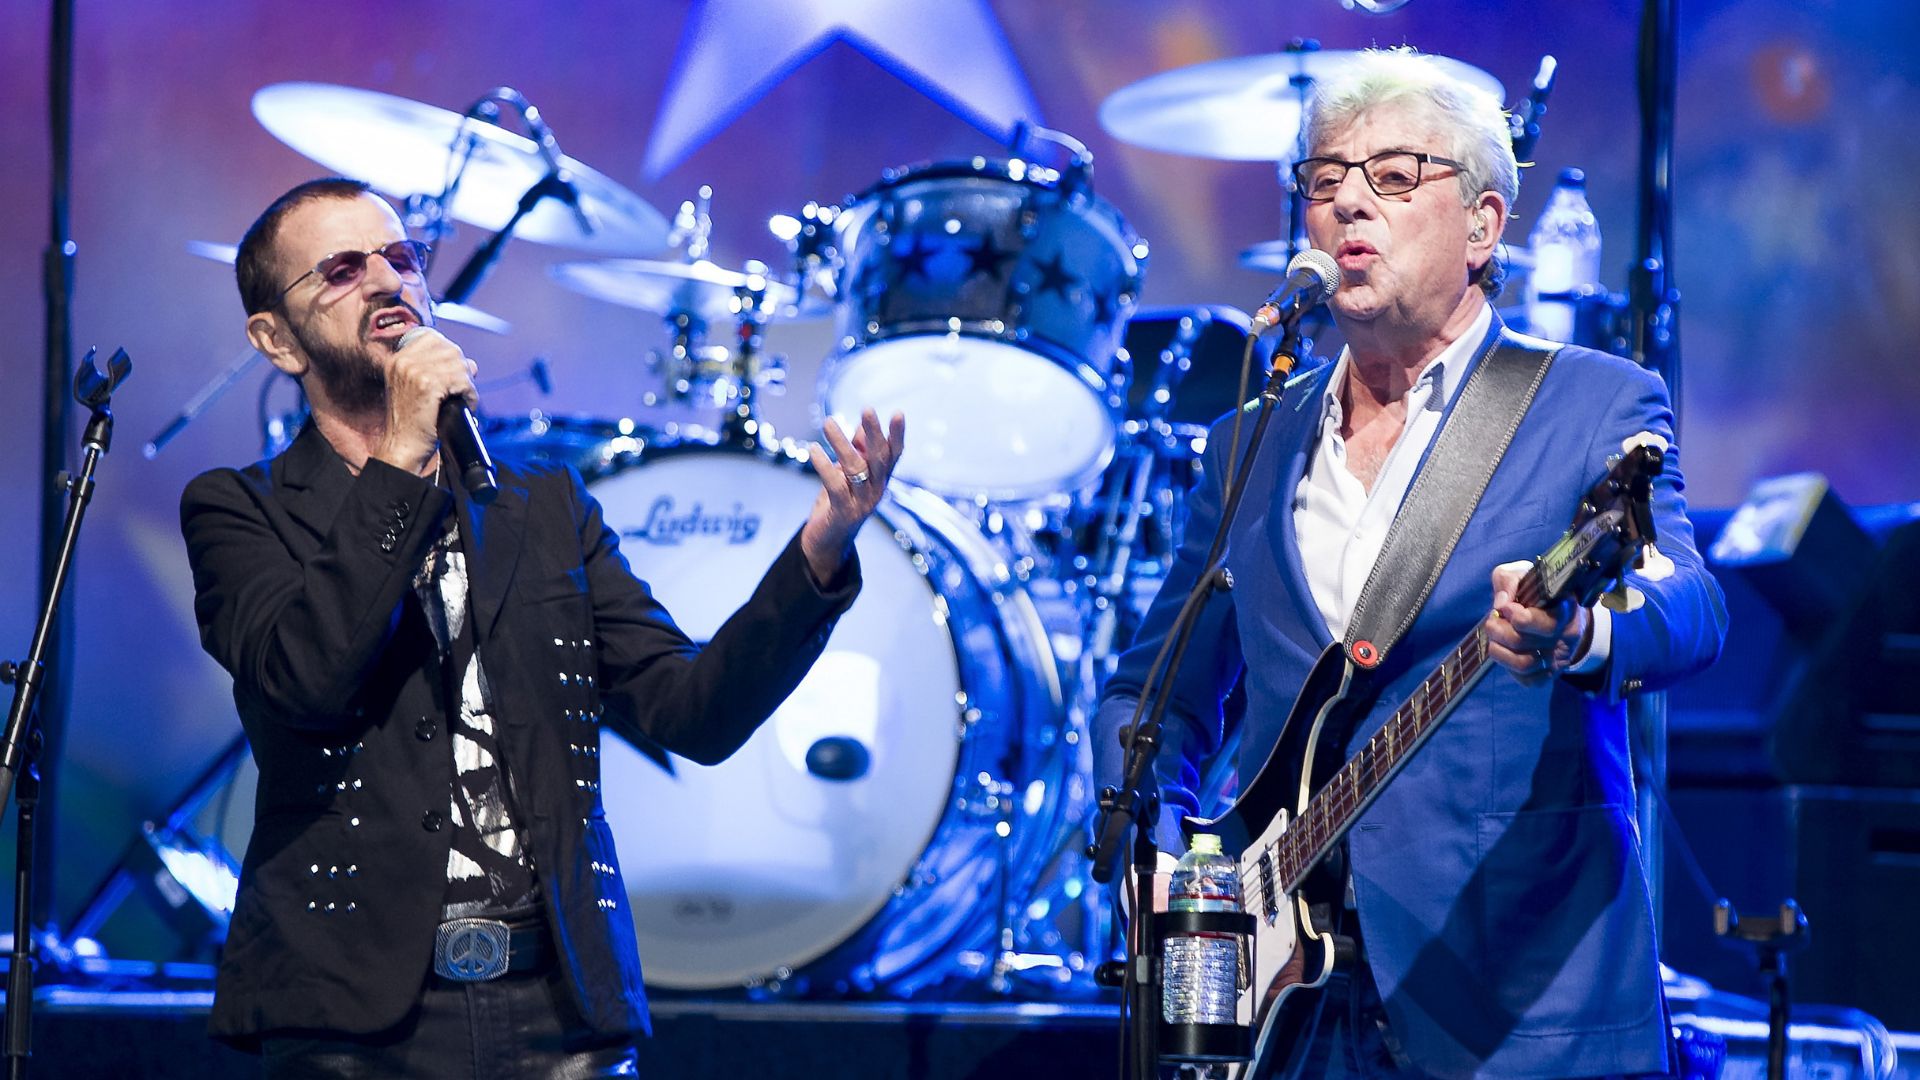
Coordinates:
(353, 382)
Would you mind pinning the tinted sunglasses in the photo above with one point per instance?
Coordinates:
(342, 268)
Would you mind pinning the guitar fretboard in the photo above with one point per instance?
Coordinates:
(1332, 810)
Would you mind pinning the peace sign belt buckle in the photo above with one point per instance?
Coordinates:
(471, 950)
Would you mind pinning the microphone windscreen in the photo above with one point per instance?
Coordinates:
(412, 333)
(1321, 264)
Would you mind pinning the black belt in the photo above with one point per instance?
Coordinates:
(479, 950)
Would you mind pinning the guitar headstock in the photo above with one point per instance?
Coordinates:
(1610, 530)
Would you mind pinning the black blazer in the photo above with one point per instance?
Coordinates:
(303, 592)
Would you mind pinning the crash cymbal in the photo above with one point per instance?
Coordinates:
(453, 313)
(401, 147)
(1246, 108)
(664, 287)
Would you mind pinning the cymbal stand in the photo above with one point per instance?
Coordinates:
(749, 371)
(1111, 572)
(693, 225)
(1295, 207)
(20, 743)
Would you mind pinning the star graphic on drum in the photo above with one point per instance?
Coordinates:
(911, 259)
(1054, 277)
(986, 258)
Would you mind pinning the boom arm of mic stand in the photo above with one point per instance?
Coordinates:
(481, 262)
(206, 396)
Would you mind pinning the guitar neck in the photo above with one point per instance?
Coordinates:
(1340, 802)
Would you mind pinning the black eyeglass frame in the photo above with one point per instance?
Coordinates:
(1420, 160)
(421, 251)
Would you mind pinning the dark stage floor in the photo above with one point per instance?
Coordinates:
(162, 1035)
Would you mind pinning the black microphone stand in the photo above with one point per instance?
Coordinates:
(556, 184)
(19, 746)
(1135, 803)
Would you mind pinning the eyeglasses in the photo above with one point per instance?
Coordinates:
(342, 268)
(1394, 172)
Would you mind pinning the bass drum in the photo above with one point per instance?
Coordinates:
(904, 795)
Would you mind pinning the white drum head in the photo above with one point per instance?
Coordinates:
(740, 869)
(984, 417)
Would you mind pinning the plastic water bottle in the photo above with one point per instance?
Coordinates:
(1200, 972)
(1566, 257)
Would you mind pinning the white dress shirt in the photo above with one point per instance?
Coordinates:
(1341, 526)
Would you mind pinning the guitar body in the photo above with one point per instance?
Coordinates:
(1287, 823)
(1294, 949)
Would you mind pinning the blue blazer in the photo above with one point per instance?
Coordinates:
(1497, 880)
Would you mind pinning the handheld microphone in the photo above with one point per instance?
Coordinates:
(460, 438)
(1312, 279)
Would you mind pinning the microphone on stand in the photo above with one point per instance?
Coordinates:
(460, 438)
(1312, 279)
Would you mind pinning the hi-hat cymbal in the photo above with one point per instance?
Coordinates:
(701, 288)
(1246, 108)
(402, 147)
(453, 313)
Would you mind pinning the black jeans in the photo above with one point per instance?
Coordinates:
(520, 1026)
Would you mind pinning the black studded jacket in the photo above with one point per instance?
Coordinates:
(302, 577)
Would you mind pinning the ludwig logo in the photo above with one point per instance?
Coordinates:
(667, 528)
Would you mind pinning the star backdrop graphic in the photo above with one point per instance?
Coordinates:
(734, 51)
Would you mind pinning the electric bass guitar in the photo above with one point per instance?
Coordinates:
(1307, 795)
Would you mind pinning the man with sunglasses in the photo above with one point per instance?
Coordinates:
(1494, 893)
(431, 886)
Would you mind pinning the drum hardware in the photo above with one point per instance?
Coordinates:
(984, 298)
(703, 291)
(691, 296)
(1107, 575)
(809, 242)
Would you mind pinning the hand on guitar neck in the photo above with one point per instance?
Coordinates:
(1534, 643)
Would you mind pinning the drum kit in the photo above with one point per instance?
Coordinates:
(911, 817)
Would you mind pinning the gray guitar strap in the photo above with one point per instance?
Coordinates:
(1445, 493)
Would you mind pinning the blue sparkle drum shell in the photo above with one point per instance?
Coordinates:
(985, 300)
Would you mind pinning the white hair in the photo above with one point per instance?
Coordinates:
(1466, 118)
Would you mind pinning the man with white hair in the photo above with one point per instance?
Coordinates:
(1495, 890)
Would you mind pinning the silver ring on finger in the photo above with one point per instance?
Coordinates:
(857, 477)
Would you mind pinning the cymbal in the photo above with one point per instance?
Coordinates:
(401, 147)
(1245, 108)
(453, 313)
(663, 286)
